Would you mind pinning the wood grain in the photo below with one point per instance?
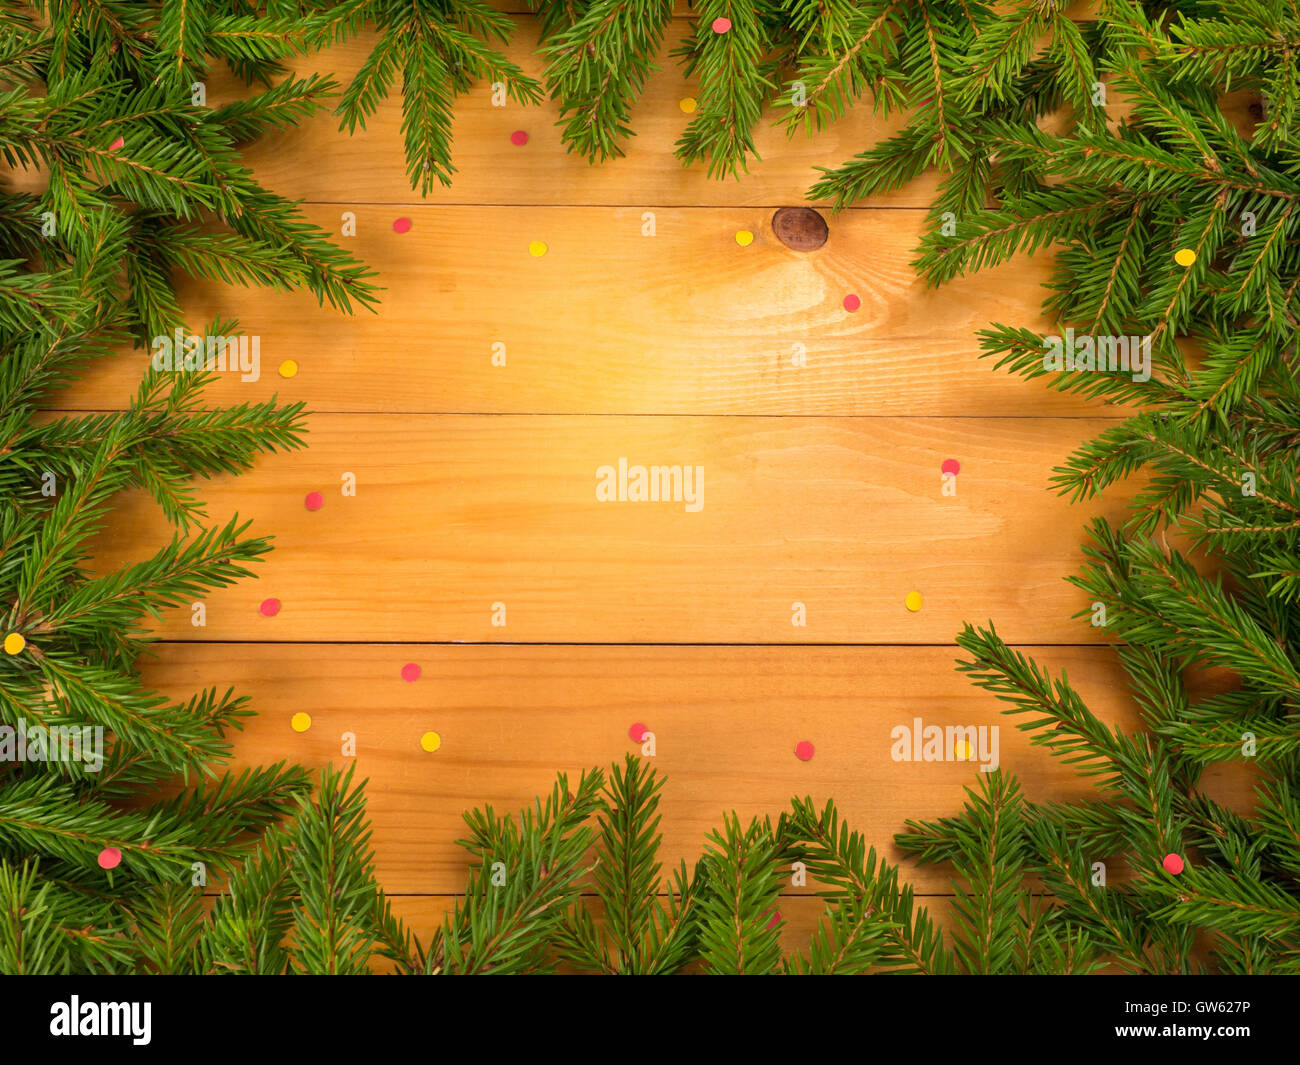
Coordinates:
(454, 514)
(371, 165)
(726, 720)
(476, 485)
(609, 321)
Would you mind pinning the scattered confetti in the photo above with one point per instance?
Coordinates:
(14, 643)
(913, 601)
(270, 607)
(744, 238)
(410, 672)
(1184, 256)
(430, 741)
(687, 104)
(288, 368)
(537, 249)
(637, 732)
(116, 144)
(314, 501)
(775, 919)
(300, 722)
(721, 25)
(950, 466)
(519, 138)
(109, 858)
(1173, 864)
(851, 302)
(401, 225)
(803, 750)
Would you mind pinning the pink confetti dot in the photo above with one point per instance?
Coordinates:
(1173, 864)
(110, 858)
(775, 919)
(410, 672)
(721, 25)
(519, 138)
(950, 466)
(401, 225)
(851, 302)
(314, 501)
(116, 144)
(270, 607)
(637, 732)
(803, 750)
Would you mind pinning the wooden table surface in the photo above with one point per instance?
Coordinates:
(476, 490)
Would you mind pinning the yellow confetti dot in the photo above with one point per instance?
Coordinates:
(1184, 256)
(537, 249)
(913, 601)
(14, 643)
(288, 368)
(744, 238)
(687, 104)
(431, 741)
(962, 750)
(300, 722)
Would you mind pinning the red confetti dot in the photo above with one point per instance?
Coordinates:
(110, 858)
(314, 501)
(270, 607)
(116, 144)
(775, 919)
(950, 466)
(803, 750)
(410, 672)
(637, 732)
(721, 25)
(519, 138)
(401, 225)
(1173, 864)
(851, 302)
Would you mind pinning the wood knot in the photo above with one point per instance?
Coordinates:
(800, 228)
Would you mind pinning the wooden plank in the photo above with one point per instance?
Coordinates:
(454, 514)
(317, 162)
(371, 164)
(726, 720)
(609, 321)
